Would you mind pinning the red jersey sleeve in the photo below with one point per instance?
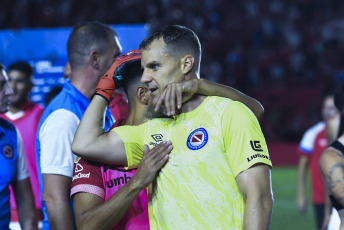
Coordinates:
(87, 177)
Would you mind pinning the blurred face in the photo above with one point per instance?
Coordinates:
(109, 57)
(21, 86)
(160, 68)
(5, 92)
(329, 109)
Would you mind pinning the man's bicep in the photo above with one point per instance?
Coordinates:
(332, 167)
(255, 180)
(106, 148)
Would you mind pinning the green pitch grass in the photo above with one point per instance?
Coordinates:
(285, 213)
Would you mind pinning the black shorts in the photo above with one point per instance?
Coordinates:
(319, 211)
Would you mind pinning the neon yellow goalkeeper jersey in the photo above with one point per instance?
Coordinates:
(196, 189)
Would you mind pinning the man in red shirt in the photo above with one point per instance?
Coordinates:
(312, 145)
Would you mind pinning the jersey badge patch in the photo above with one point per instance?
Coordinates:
(197, 139)
(7, 151)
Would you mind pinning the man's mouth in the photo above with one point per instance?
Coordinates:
(153, 90)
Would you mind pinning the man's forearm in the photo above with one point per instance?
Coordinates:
(60, 215)
(257, 214)
(106, 215)
(301, 195)
(25, 204)
(215, 89)
(56, 191)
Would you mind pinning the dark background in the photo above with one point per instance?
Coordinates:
(287, 53)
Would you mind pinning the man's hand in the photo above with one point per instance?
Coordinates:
(302, 204)
(110, 80)
(175, 94)
(152, 161)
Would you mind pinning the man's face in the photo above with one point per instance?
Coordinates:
(329, 109)
(21, 86)
(5, 92)
(160, 68)
(109, 57)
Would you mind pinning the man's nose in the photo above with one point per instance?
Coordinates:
(146, 77)
(8, 90)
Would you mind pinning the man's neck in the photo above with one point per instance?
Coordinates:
(136, 117)
(193, 103)
(84, 82)
(15, 109)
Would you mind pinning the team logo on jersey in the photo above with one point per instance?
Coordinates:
(197, 139)
(7, 151)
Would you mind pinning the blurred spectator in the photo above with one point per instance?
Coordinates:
(14, 170)
(263, 48)
(25, 116)
(312, 145)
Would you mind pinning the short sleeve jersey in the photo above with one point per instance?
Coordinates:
(196, 188)
(104, 181)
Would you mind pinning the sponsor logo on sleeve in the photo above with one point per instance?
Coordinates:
(256, 146)
(197, 139)
(78, 167)
(77, 170)
(257, 155)
(81, 175)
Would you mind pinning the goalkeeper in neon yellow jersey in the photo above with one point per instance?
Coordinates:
(218, 173)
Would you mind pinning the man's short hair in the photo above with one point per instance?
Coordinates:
(21, 66)
(180, 40)
(131, 72)
(86, 37)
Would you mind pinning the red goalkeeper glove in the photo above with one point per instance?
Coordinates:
(110, 80)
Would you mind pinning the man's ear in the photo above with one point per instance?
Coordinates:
(187, 64)
(142, 94)
(94, 59)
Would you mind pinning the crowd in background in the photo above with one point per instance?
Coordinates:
(286, 53)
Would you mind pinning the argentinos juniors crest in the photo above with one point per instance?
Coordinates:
(197, 139)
